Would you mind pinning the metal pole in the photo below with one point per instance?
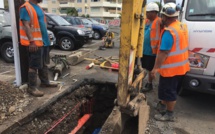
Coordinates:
(116, 7)
(15, 43)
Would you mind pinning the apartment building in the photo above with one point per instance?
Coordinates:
(107, 9)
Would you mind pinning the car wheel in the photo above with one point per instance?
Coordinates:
(66, 44)
(96, 35)
(7, 52)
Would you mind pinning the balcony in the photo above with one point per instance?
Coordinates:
(105, 4)
(104, 14)
(67, 5)
(114, 11)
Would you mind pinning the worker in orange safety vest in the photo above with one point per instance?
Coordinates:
(171, 61)
(151, 41)
(34, 36)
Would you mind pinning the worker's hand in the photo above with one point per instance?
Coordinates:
(33, 47)
(153, 73)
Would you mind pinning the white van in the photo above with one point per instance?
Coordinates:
(199, 15)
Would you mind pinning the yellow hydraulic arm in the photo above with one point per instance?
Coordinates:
(129, 99)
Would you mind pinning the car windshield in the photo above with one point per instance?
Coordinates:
(5, 18)
(60, 21)
(77, 21)
(94, 21)
(203, 10)
(86, 21)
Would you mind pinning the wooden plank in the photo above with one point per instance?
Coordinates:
(143, 118)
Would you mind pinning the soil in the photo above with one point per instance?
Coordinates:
(13, 101)
(97, 100)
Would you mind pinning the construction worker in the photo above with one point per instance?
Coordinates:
(171, 62)
(34, 36)
(151, 41)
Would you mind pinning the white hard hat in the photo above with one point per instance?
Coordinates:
(170, 10)
(152, 6)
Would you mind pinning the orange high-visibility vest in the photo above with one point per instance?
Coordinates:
(35, 27)
(177, 61)
(155, 34)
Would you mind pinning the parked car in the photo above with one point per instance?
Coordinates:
(67, 36)
(77, 22)
(6, 44)
(99, 30)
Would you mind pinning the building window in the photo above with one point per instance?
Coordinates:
(79, 9)
(95, 9)
(95, 0)
(45, 1)
(54, 10)
(53, 1)
(79, 1)
(85, 1)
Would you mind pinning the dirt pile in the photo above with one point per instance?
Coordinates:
(13, 101)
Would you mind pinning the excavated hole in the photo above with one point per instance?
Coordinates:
(95, 99)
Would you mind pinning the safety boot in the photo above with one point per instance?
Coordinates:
(148, 87)
(35, 92)
(161, 108)
(32, 83)
(43, 75)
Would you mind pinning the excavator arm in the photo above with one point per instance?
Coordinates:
(129, 99)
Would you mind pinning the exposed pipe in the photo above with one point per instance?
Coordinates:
(62, 118)
(81, 122)
(15, 43)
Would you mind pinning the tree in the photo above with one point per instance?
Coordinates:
(87, 16)
(6, 6)
(159, 5)
(72, 11)
(83, 16)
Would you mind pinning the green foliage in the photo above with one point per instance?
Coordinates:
(83, 15)
(87, 16)
(159, 5)
(72, 12)
(6, 6)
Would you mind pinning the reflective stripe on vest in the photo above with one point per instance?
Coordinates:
(157, 32)
(26, 38)
(34, 26)
(174, 64)
(177, 62)
(155, 35)
(177, 52)
(32, 29)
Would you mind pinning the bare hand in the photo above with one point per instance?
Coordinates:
(153, 73)
(33, 47)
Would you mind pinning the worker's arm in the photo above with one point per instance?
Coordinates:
(161, 57)
(165, 47)
(25, 18)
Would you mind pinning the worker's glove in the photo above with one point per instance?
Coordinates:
(33, 47)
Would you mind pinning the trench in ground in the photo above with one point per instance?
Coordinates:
(94, 99)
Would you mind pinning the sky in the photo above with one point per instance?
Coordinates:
(177, 1)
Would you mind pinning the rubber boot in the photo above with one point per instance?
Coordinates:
(32, 83)
(43, 75)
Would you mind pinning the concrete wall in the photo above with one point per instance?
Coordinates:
(1, 4)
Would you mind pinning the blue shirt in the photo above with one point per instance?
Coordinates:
(166, 41)
(25, 17)
(147, 50)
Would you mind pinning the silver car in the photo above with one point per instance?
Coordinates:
(6, 45)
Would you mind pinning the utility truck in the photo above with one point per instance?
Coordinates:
(199, 15)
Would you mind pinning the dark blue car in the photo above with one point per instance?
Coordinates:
(99, 29)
